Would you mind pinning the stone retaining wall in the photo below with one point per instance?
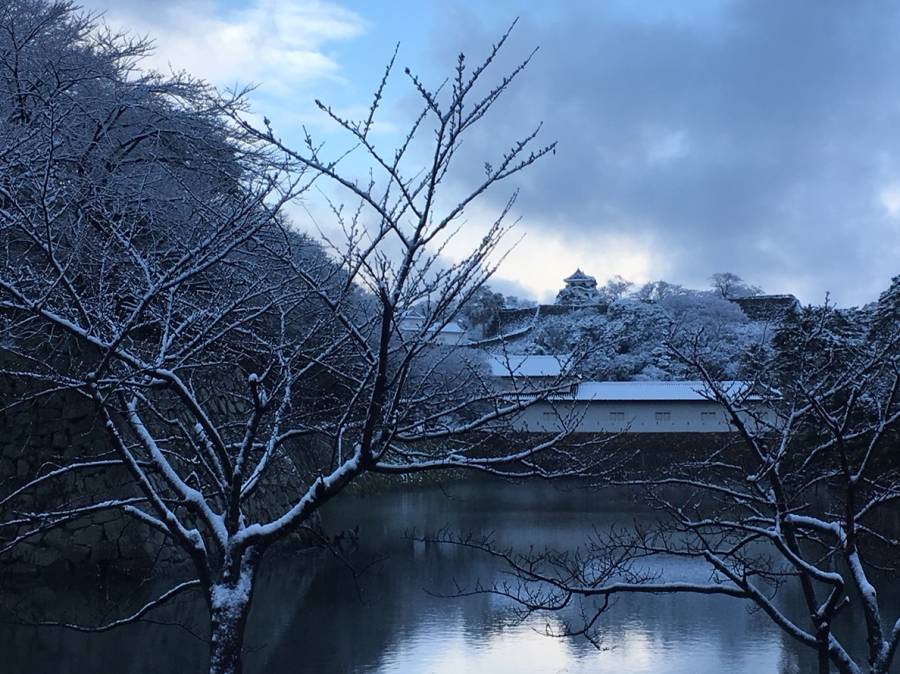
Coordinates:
(42, 434)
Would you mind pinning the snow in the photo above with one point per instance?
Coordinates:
(866, 589)
(453, 327)
(526, 365)
(414, 324)
(653, 390)
(229, 601)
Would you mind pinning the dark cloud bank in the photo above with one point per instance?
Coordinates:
(759, 138)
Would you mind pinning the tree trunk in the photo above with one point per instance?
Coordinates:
(824, 661)
(229, 606)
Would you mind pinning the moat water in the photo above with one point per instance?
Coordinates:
(311, 614)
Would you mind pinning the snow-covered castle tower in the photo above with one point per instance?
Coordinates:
(580, 288)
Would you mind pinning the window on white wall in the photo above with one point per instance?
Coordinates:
(617, 416)
(709, 417)
(663, 417)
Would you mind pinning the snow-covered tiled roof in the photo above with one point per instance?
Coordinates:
(579, 276)
(765, 298)
(527, 365)
(414, 324)
(759, 307)
(653, 390)
(455, 328)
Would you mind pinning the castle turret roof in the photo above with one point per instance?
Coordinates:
(580, 277)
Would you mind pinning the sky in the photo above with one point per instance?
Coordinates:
(694, 136)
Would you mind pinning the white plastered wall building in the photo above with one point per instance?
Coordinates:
(640, 407)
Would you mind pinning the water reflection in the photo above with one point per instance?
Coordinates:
(310, 615)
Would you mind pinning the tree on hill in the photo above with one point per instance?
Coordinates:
(482, 310)
(887, 310)
(628, 340)
(731, 286)
(615, 289)
(654, 291)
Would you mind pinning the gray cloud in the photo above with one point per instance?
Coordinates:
(764, 140)
(756, 136)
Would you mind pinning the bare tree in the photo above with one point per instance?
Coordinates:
(798, 496)
(731, 286)
(615, 288)
(230, 361)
